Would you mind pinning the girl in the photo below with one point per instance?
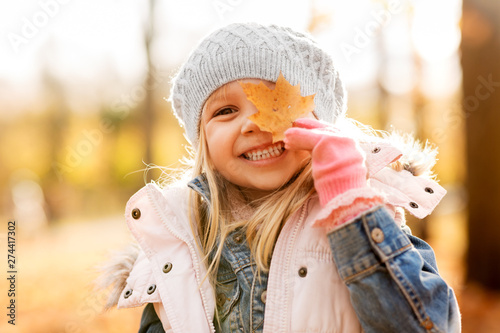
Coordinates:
(300, 235)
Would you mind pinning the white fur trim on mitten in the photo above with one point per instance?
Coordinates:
(345, 207)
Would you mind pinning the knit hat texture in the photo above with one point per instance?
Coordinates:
(251, 50)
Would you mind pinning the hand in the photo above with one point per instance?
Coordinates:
(338, 163)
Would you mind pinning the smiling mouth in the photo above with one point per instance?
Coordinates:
(274, 150)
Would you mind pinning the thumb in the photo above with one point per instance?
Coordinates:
(301, 139)
(309, 123)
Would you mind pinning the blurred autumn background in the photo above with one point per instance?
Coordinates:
(83, 111)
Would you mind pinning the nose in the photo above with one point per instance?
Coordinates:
(249, 126)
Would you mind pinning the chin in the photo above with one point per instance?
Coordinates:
(268, 186)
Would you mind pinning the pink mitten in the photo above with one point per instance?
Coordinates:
(338, 163)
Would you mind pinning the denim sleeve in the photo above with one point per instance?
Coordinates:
(150, 323)
(392, 277)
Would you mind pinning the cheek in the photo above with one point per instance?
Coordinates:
(209, 137)
(217, 144)
(212, 150)
(302, 157)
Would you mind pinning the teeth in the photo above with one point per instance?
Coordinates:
(271, 151)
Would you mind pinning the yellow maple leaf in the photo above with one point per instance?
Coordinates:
(277, 108)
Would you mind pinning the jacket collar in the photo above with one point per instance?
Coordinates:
(200, 185)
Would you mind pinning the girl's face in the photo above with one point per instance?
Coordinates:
(239, 150)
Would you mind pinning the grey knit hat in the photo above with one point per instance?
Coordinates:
(251, 50)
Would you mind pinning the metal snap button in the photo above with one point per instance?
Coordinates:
(220, 299)
(377, 235)
(428, 324)
(429, 190)
(303, 271)
(238, 239)
(136, 213)
(376, 150)
(413, 205)
(128, 293)
(263, 296)
(151, 289)
(167, 268)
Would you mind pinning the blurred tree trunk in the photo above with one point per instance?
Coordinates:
(420, 227)
(57, 122)
(481, 104)
(149, 112)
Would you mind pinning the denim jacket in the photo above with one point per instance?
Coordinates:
(384, 280)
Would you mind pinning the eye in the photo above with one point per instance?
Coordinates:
(224, 111)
